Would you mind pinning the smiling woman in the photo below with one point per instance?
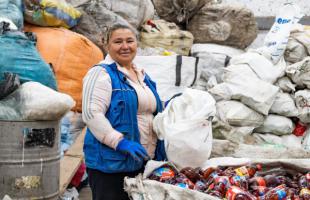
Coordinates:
(122, 45)
(119, 104)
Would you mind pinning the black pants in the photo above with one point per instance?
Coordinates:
(106, 186)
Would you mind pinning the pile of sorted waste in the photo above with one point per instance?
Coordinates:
(244, 182)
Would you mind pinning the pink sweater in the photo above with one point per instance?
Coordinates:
(97, 92)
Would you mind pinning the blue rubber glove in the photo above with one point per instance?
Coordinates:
(134, 149)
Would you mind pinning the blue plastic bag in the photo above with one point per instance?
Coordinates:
(13, 10)
(18, 55)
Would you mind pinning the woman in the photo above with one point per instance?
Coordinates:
(119, 104)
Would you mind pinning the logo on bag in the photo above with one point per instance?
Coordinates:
(283, 21)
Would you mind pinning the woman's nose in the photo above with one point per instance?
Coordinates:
(125, 45)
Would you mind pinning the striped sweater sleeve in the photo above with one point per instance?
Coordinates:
(97, 91)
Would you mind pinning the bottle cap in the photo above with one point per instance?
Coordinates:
(259, 167)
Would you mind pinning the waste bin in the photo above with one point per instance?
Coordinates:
(29, 159)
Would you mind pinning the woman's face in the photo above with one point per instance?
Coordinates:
(122, 46)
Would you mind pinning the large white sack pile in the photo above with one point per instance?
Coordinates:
(259, 94)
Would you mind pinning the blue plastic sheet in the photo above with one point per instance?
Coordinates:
(66, 137)
(18, 54)
(13, 10)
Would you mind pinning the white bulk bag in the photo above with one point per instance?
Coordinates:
(186, 128)
(216, 58)
(172, 74)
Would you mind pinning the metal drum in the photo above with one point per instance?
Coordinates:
(29, 159)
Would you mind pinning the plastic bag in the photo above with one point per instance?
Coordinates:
(238, 114)
(18, 55)
(277, 125)
(34, 101)
(10, 84)
(260, 65)
(185, 128)
(12, 10)
(241, 83)
(277, 38)
(284, 105)
(285, 84)
(136, 12)
(51, 13)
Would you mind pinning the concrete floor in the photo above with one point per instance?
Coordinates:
(85, 194)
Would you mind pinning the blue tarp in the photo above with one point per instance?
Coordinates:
(19, 55)
(13, 10)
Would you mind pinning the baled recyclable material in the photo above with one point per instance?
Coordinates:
(57, 13)
(224, 24)
(167, 35)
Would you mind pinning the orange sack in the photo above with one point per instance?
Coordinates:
(71, 55)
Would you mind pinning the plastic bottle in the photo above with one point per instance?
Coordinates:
(308, 179)
(163, 173)
(274, 181)
(182, 181)
(221, 184)
(236, 193)
(292, 194)
(304, 181)
(277, 193)
(248, 170)
(304, 194)
(230, 171)
(259, 191)
(304, 185)
(257, 181)
(191, 174)
(208, 172)
(200, 186)
(239, 181)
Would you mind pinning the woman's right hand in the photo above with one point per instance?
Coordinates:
(134, 149)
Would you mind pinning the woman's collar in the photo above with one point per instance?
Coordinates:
(109, 60)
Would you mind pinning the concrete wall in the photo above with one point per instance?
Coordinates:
(266, 10)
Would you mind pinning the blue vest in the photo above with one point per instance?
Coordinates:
(122, 114)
